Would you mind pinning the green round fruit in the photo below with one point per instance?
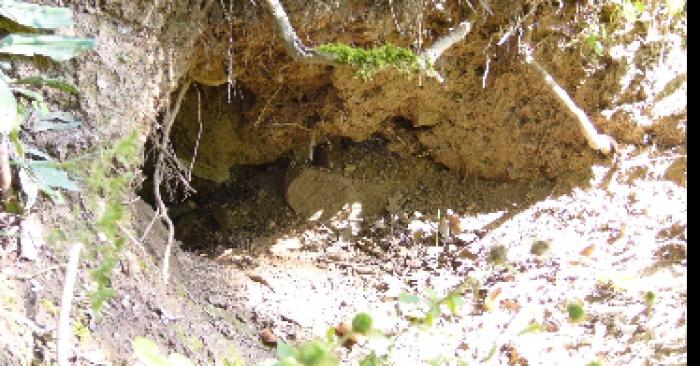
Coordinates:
(362, 323)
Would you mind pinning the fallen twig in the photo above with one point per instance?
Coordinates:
(64, 329)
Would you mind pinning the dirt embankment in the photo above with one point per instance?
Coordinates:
(494, 124)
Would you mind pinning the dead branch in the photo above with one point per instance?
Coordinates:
(597, 141)
(64, 328)
(296, 48)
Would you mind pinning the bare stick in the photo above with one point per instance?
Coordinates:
(597, 141)
(64, 329)
(296, 48)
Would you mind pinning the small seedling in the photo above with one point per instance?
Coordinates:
(539, 248)
(575, 310)
(649, 300)
(498, 254)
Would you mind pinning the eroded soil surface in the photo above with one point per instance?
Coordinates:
(529, 250)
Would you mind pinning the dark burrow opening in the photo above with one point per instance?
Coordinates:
(389, 174)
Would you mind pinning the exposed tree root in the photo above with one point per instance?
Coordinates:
(296, 48)
(597, 141)
(162, 211)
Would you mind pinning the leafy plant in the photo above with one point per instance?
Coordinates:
(35, 176)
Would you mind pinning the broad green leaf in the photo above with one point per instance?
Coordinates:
(51, 177)
(57, 83)
(59, 48)
(146, 351)
(8, 108)
(36, 16)
(48, 121)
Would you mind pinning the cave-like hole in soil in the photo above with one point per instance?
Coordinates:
(257, 183)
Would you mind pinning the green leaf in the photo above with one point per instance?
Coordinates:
(330, 335)
(46, 122)
(58, 83)
(146, 351)
(59, 48)
(532, 328)
(491, 353)
(36, 16)
(407, 298)
(453, 303)
(19, 147)
(48, 176)
(29, 94)
(8, 108)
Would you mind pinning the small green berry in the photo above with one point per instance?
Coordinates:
(362, 323)
(575, 310)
